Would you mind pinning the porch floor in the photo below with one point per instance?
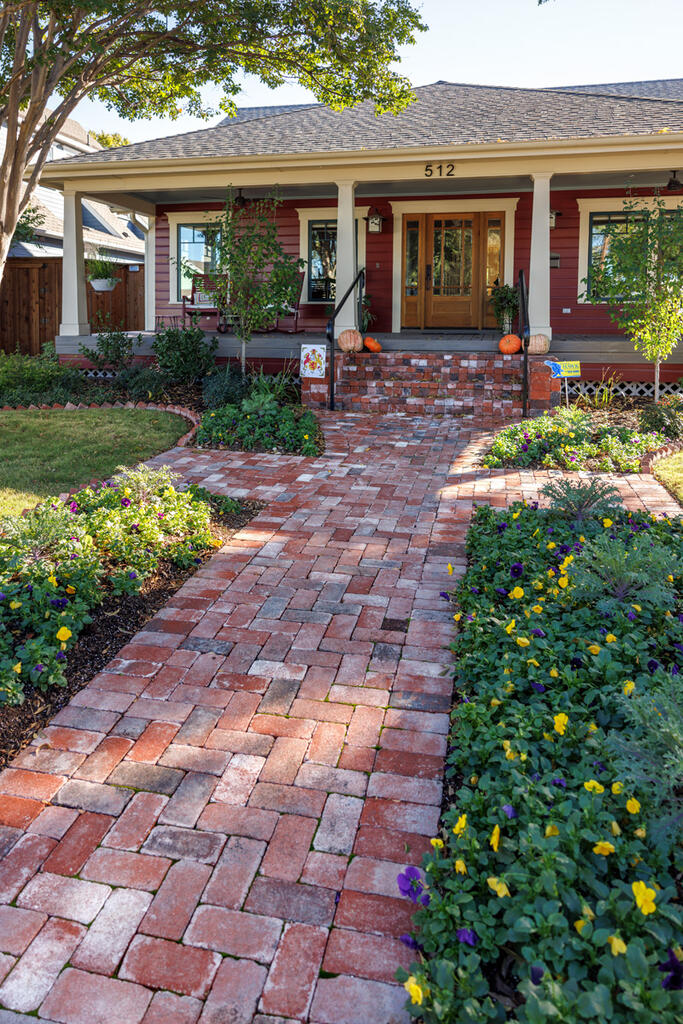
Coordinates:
(594, 348)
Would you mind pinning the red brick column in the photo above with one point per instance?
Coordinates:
(544, 389)
(315, 391)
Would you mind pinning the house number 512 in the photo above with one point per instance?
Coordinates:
(439, 170)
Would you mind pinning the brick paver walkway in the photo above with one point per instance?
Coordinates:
(211, 830)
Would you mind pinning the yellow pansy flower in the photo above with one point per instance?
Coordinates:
(71, 590)
(607, 523)
(617, 788)
(616, 831)
(632, 805)
(460, 825)
(474, 779)
(437, 843)
(537, 608)
(517, 593)
(610, 638)
(522, 641)
(52, 580)
(593, 786)
(17, 668)
(563, 582)
(551, 545)
(515, 515)
(500, 888)
(554, 673)
(587, 912)
(532, 661)
(594, 649)
(495, 839)
(644, 897)
(551, 830)
(460, 867)
(450, 569)
(603, 848)
(560, 723)
(63, 634)
(415, 991)
(629, 687)
(495, 702)
(510, 626)
(580, 925)
(636, 607)
(510, 755)
(14, 605)
(592, 727)
(457, 616)
(640, 832)
(616, 944)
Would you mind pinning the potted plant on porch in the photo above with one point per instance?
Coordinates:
(505, 302)
(101, 271)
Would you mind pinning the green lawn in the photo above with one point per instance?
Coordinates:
(670, 472)
(45, 453)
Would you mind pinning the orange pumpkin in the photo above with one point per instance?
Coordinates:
(372, 345)
(509, 344)
(350, 341)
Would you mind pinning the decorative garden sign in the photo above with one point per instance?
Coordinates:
(313, 361)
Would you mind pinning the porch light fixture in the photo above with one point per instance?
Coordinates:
(375, 220)
(239, 202)
(673, 184)
(554, 214)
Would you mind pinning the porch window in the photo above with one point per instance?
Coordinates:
(196, 253)
(599, 238)
(322, 260)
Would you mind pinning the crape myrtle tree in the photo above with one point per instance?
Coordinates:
(638, 271)
(152, 59)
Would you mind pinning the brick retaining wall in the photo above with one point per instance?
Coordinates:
(433, 383)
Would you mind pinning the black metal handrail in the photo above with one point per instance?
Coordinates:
(359, 280)
(524, 333)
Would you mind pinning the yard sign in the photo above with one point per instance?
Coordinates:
(564, 371)
(313, 360)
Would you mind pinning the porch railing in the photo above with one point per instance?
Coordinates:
(359, 280)
(524, 333)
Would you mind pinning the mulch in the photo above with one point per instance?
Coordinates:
(114, 624)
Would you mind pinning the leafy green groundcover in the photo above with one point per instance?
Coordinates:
(550, 893)
(58, 561)
(569, 440)
(262, 426)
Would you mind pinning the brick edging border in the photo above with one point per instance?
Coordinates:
(177, 410)
(649, 461)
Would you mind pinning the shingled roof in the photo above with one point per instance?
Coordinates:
(657, 89)
(444, 114)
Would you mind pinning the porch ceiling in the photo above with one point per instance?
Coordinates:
(418, 187)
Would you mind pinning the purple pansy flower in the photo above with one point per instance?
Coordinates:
(538, 687)
(132, 575)
(516, 570)
(509, 811)
(60, 656)
(537, 632)
(536, 974)
(125, 502)
(468, 936)
(652, 666)
(410, 942)
(39, 668)
(410, 883)
(560, 782)
(673, 968)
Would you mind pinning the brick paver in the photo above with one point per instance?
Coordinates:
(211, 830)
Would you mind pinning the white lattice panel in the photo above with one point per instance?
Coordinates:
(622, 388)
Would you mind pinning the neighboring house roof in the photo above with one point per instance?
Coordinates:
(256, 113)
(657, 89)
(443, 114)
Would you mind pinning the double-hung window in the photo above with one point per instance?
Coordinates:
(322, 259)
(197, 245)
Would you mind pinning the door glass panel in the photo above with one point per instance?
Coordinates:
(412, 257)
(452, 257)
(494, 251)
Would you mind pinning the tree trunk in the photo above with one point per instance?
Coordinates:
(5, 244)
(244, 358)
(656, 380)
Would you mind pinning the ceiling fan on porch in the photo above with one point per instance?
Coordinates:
(239, 202)
(673, 184)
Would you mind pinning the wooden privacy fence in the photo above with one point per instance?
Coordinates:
(31, 303)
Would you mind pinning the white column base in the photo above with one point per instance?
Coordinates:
(74, 330)
(547, 330)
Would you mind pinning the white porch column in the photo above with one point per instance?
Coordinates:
(346, 254)
(150, 276)
(74, 301)
(539, 263)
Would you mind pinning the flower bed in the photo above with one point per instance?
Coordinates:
(284, 428)
(571, 439)
(59, 561)
(551, 892)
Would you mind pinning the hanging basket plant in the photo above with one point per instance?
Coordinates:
(101, 272)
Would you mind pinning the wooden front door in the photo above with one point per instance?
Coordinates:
(450, 263)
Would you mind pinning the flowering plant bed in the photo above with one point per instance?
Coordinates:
(576, 439)
(59, 561)
(282, 428)
(551, 891)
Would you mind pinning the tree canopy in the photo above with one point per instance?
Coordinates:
(110, 140)
(153, 59)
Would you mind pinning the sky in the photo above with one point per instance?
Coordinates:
(491, 42)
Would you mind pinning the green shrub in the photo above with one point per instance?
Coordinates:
(114, 349)
(662, 417)
(184, 354)
(578, 499)
(33, 375)
(58, 562)
(275, 428)
(281, 386)
(225, 386)
(142, 383)
(550, 894)
(569, 440)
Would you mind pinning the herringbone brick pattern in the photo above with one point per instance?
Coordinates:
(211, 830)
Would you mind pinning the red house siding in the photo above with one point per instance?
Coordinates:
(584, 318)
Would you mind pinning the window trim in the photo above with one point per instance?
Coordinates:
(179, 225)
(313, 213)
(605, 205)
(175, 219)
